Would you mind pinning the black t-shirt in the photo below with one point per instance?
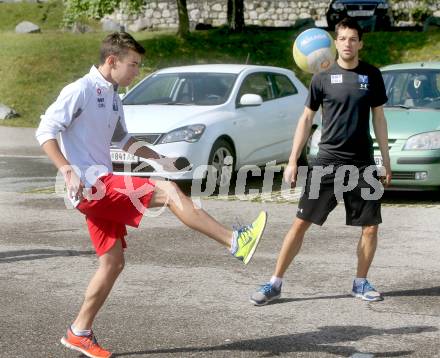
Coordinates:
(346, 97)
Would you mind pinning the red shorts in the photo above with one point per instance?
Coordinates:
(117, 201)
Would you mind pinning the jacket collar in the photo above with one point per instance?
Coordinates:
(99, 78)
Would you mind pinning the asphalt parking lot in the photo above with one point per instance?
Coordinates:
(181, 295)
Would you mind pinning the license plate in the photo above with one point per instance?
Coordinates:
(378, 161)
(119, 156)
(360, 13)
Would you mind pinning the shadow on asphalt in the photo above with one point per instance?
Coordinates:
(300, 299)
(322, 340)
(429, 291)
(39, 254)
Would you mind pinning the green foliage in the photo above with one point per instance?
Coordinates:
(418, 2)
(96, 9)
(419, 14)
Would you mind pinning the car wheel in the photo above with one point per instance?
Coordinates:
(221, 163)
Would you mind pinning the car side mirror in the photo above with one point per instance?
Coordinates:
(250, 100)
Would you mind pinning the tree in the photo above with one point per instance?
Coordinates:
(182, 10)
(235, 15)
(97, 9)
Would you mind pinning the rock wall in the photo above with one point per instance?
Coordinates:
(162, 14)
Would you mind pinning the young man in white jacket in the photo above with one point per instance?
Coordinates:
(88, 116)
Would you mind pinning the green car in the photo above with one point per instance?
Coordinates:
(413, 117)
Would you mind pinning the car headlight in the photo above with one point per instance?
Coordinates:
(189, 134)
(423, 141)
(338, 6)
(382, 5)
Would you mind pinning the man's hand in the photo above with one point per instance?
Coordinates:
(73, 183)
(385, 175)
(290, 174)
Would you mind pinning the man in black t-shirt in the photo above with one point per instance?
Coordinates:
(344, 167)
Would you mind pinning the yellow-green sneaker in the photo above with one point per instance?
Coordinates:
(246, 238)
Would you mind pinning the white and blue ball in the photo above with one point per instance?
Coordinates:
(314, 50)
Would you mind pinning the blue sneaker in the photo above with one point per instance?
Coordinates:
(265, 294)
(365, 291)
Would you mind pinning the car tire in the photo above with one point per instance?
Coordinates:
(222, 158)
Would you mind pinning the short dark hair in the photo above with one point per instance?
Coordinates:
(118, 44)
(349, 23)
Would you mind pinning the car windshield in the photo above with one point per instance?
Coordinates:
(200, 89)
(414, 88)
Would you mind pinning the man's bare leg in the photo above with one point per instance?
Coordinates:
(291, 245)
(111, 265)
(366, 249)
(168, 193)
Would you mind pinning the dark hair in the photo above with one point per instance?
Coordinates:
(118, 44)
(349, 23)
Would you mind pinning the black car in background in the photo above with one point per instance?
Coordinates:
(371, 14)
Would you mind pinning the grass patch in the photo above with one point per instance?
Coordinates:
(47, 15)
(385, 48)
(35, 67)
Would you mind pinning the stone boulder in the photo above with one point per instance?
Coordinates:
(27, 27)
(81, 28)
(6, 112)
(110, 25)
(140, 24)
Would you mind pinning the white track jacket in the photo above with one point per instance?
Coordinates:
(88, 116)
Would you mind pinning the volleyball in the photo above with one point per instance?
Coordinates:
(314, 50)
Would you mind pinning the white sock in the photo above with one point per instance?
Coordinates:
(80, 332)
(234, 242)
(276, 282)
(359, 280)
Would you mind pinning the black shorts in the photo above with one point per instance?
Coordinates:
(320, 197)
